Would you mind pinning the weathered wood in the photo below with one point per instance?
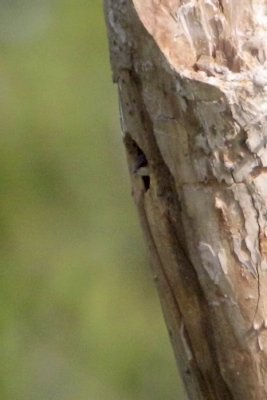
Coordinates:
(192, 79)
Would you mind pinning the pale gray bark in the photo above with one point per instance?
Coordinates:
(192, 79)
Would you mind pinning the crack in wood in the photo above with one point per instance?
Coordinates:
(257, 261)
(189, 287)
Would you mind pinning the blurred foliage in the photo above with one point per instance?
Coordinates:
(79, 315)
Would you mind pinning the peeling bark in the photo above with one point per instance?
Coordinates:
(192, 79)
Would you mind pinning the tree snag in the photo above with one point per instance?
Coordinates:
(192, 79)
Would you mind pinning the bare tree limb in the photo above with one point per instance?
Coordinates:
(192, 79)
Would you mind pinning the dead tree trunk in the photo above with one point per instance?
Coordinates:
(192, 79)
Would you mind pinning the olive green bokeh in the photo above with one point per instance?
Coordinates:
(80, 319)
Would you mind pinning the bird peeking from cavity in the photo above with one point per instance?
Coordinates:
(141, 168)
(141, 165)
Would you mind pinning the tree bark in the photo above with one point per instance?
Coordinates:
(192, 79)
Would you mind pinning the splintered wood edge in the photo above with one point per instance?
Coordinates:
(217, 42)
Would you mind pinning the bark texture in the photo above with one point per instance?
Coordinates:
(192, 79)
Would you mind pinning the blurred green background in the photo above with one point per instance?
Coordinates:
(80, 319)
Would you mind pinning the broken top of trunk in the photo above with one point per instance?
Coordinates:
(222, 44)
(213, 33)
